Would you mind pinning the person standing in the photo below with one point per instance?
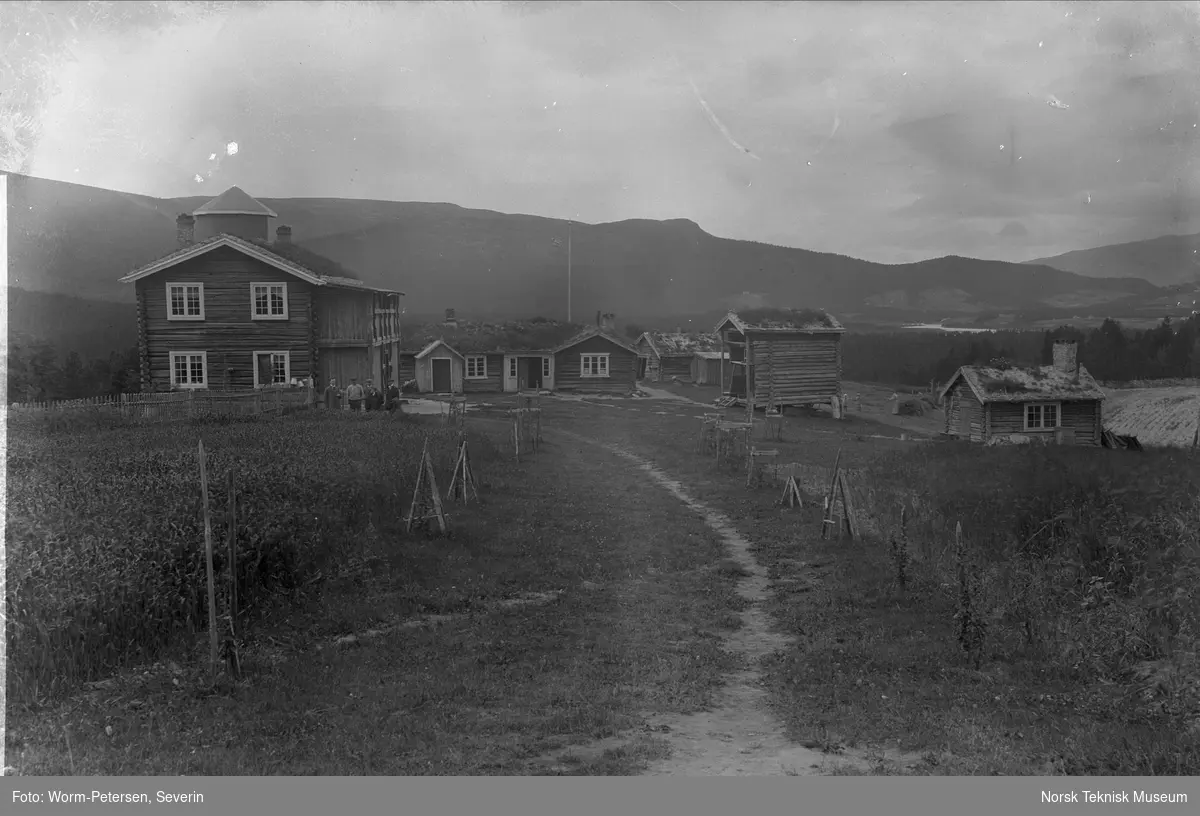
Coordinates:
(374, 397)
(393, 396)
(333, 396)
(355, 395)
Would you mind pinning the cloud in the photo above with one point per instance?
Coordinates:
(878, 126)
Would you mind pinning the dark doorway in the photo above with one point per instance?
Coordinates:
(266, 372)
(532, 370)
(441, 375)
(642, 362)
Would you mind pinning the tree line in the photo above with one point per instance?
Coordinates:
(1109, 352)
(37, 371)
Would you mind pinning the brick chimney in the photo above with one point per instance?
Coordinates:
(283, 234)
(1066, 357)
(185, 229)
(608, 321)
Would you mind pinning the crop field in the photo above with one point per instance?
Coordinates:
(1165, 416)
(616, 603)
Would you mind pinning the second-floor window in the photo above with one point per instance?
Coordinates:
(185, 301)
(268, 301)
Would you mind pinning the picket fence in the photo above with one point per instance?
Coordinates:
(175, 405)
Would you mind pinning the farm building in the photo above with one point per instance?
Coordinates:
(1007, 404)
(438, 369)
(596, 359)
(786, 357)
(230, 309)
(706, 367)
(535, 354)
(671, 354)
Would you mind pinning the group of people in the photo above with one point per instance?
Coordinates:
(364, 397)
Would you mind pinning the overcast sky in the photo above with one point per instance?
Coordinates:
(887, 131)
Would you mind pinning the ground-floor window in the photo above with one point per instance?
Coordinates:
(271, 368)
(189, 369)
(1042, 416)
(594, 365)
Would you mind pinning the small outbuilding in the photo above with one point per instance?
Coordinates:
(671, 354)
(706, 367)
(1001, 404)
(438, 369)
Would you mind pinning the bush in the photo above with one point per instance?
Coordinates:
(105, 530)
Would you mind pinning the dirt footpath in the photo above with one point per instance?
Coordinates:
(739, 736)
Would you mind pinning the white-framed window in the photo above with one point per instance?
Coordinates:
(1042, 416)
(185, 301)
(512, 366)
(272, 368)
(268, 301)
(189, 369)
(545, 366)
(593, 365)
(476, 367)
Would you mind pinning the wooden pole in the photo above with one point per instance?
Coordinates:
(827, 520)
(208, 548)
(233, 573)
(750, 384)
(416, 498)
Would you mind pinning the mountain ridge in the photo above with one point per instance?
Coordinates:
(77, 240)
(1168, 260)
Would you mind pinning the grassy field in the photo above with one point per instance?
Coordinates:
(545, 621)
(581, 606)
(1082, 570)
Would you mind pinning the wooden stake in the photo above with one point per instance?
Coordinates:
(827, 520)
(516, 436)
(433, 493)
(462, 482)
(233, 574)
(208, 548)
(416, 499)
(425, 494)
(791, 493)
(848, 521)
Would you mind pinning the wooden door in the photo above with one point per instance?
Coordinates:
(441, 375)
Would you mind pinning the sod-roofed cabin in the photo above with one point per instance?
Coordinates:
(1001, 403)
(230, 309)
(536, 354)
(671, 354)
(597, 359)
(783, 357)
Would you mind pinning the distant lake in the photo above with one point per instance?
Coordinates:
(940, 327)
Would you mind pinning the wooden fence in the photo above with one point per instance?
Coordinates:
(176, 405)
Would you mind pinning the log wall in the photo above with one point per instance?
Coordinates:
(798, 368)
(227, 332)
(1083, 417)
(622, 367)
